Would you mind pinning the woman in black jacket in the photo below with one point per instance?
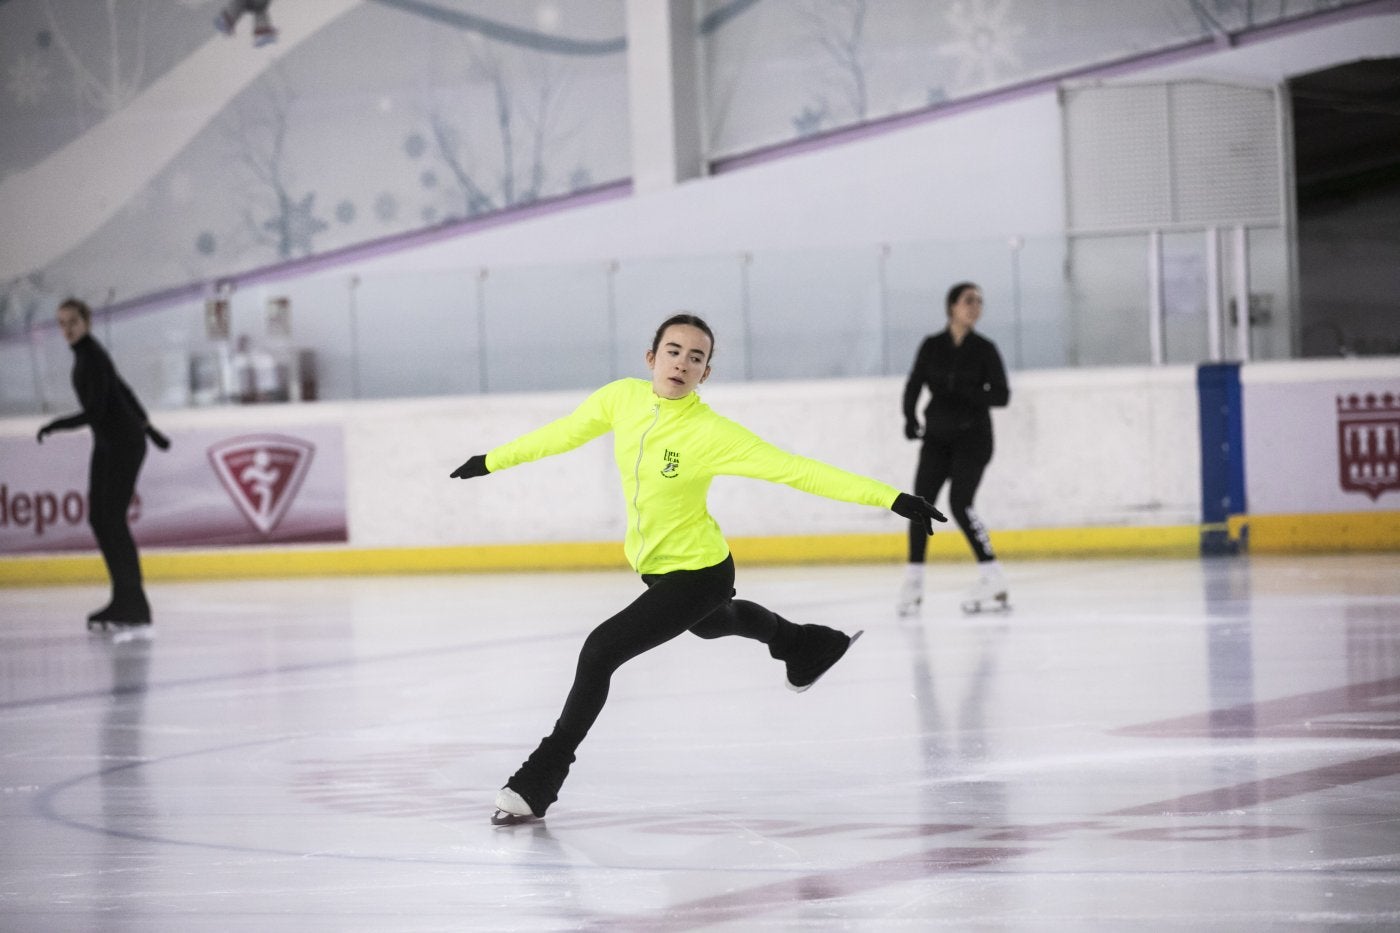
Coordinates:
(964, 375)
(119, 430)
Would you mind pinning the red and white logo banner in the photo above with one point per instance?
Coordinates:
(211, 488)
(1368, 443)
(262, 473)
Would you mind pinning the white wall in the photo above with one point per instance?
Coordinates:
(1107, 447)
(1085, 447)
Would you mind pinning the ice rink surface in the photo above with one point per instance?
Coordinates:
(1138, 745)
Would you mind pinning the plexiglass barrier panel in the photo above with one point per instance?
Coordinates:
(815, 315)
(918, 276)
(1041, 307)
(646, 292)
(1107, 279)
(418, 335)
(547, 328)
(1273, 323)
(21, 390)
(1185, 298)
(830, 313)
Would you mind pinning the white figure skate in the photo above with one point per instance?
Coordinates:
(989, 594)
(911, 598)
(511, 809)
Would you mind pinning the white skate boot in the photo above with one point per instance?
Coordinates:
(988, 594)
(911, 591)
(911, 597)
(511, 808)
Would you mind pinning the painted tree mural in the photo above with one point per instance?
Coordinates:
(276, 212)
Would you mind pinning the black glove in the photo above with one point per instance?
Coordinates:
(912, 431)
(157, 438)
(476, 466)
(917, 509)
(44, 432)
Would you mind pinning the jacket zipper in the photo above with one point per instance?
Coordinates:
(637, 489)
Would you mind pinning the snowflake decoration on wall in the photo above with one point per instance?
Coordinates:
(296, 226)
(28, 80)
(809, 121)
(984, 43)
(386, 207)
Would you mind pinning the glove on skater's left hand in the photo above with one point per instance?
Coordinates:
(476, 466)
(917, 509)
(912, 431)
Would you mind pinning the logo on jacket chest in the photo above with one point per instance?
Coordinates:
(672, 468)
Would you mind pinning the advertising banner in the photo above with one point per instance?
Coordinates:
(213, 487)
(1324, 446)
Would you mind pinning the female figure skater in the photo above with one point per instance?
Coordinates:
(669, 445)
(964, 375)
(119, 431)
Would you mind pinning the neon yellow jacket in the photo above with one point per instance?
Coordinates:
(667, 452)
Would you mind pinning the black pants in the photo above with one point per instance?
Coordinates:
(111, 483)
(696, 601)
(961, 458)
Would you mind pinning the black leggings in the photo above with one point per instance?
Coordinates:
(696, 601)
(961, 458)
(111, 484)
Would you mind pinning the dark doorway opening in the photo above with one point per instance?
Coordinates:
(1346, 144)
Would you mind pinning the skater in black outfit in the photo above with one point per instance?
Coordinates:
(263, 30)
(668, 446)
(119, 431)
(964, 376)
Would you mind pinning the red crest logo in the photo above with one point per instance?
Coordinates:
(262, 473)
(1368, 443)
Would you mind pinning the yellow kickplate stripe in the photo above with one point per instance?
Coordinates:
(244, 563)
(1295, 534)
(1312, 534)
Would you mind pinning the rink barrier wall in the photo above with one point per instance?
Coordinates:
(1091, 462)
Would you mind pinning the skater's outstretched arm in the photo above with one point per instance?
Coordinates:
(591, 419)
(746, 454)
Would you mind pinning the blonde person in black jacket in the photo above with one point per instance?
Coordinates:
(119, 431)
(964, 376)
